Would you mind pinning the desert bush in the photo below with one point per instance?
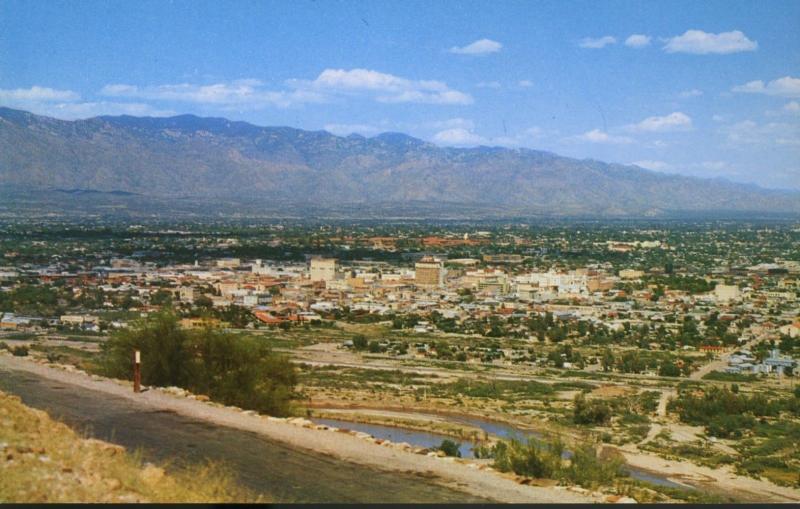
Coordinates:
(450, 448)
(234, 370)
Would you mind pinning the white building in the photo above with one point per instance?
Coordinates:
(323, 269)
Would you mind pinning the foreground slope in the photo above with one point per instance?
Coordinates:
(45, 461)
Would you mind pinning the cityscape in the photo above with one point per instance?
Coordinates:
(461, 252)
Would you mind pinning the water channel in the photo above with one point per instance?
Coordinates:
(433, 440)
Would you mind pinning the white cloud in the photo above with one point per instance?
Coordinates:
(675, 121)
(638, 41)
(450, 123)
(461, 136)
(782, 87)
(387, 87)
(792, 107)
(600, 42)
(690, 93)
(598, 136)
(36, 93)
(80, 110)
(748, 132)
(243, 93)
(66, 104)
(458, 136)
(653, 165)
(698, 42)
(712, 165)
(345, 129)
(488, 84)
(525, 83)
(479, 47)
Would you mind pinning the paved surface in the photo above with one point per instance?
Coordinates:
(266, 466)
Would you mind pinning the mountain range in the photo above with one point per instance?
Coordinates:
(216, 160)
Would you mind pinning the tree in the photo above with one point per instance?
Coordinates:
(232, 369)
(590, 411)
(360, 342)
(607, 360)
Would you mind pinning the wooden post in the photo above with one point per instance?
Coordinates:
(137, 371)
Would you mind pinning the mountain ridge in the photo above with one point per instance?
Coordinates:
(214, 158)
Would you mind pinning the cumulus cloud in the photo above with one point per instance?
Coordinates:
(461, 134)
(36, 93)
(479, 47)
(698, 42)
(243, 93)
(792, 107)
(386, 88)
(488, 84)
(458, 137)
(328, 84)
(598, 136)
(690, 93)
(748, 132)
(525, 83)
(653, 165)
(600, 42)
(782, 87)
(675, 121)
(450, 123)
(67, 104)
(345, 129)
(638, 41)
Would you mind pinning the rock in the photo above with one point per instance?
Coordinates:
(250, 412)
(111, 449)
(441, 454)
(202, 397)
(627, 500)
(362, 435)
(432, 454)
(113, 484)
(152, 474)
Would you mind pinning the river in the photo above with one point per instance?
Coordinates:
(502, 430)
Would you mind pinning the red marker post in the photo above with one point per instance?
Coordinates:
(137, 371)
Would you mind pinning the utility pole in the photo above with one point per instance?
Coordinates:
(137, 371)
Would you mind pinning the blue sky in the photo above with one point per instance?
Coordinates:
(699, 88)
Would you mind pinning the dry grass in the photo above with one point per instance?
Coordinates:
(42, 460)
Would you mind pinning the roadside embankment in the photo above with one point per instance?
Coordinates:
(44, 461)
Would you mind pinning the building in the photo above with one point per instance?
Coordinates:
(631, 274)
(228, 263)
(324, 269)
(726, 293)
(429, 271)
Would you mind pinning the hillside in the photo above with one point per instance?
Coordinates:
(218, 160)
(44, 461)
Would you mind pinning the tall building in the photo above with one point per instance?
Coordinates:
(324, 269)
(429, 271)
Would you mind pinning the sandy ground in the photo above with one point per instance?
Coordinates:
(461, 475)
(721, 479)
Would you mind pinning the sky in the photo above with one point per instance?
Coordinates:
(708, 89)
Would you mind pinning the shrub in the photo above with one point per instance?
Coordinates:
(360, 342)
(532, 459)
(588, 469)
(20, 351)
(591, 411)
(450, 448)
(231, 369)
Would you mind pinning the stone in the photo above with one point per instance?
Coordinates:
(152, 474)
